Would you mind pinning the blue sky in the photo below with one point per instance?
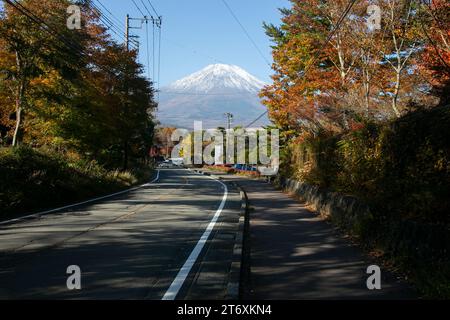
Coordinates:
(200, 32)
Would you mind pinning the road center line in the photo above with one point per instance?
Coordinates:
(176, 285)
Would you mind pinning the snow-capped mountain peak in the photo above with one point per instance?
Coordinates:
(218, 78)
(208, 94)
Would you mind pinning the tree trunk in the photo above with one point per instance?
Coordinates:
(19, 115)
(125, 155)
(395, 97)
(20, 93)
(367, 92)
(367, 101)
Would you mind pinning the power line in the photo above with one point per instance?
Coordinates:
(153, 41)
(257, 119)
(332, 33)
(111, 14)
(246, 33)
(148, 48)
(156, 22)
(139, 9)
(159, 55)
(341, 20)
(153, 8)
(30, 15)
(153, 46)
(101, 15)
(149, 13)
(78, 50)
(111, 26)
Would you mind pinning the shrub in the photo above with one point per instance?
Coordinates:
(33, 180)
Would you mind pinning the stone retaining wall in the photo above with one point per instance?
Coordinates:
(344, 211)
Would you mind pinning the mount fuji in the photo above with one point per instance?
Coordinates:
(207, 95)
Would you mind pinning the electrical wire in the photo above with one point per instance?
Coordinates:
(117, 30)
(111, 27)
(139, 9)
(76, 48)
(145, 7)
(159, 55)
(246, 33)
(153, 48)
(111, 14)
(256, 120)
(153, 41)
(30, 15)
(153, 8)
(148, 48)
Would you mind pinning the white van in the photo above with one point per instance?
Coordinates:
(177, 161)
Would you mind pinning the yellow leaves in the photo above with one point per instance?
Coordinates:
(49, 80)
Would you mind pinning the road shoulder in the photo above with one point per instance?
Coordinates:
(295, 254)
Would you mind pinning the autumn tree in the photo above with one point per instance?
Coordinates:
(316, 59)
(399, 43)
(333, 71)
(112, 117)
(35, 33)
(434, 61)
(163, 138)
(301, 69)
(79, 89)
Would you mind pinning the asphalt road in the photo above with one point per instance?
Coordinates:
(128, 247)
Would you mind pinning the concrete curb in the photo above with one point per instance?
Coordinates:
(240, 265)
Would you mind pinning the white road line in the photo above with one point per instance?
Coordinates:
(176, 285)
(35, 215)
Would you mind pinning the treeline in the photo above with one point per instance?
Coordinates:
(367, 114)
(72, 91)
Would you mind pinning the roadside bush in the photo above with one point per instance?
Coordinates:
(402, 168)
(33, 180)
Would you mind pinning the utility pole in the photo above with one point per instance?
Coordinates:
(128, 27)
(128, 39)
(230, 119)
(127, 32)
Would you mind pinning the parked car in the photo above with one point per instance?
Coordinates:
(177, 161)
(165, 164)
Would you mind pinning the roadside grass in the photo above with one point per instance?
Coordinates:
(32, 180)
